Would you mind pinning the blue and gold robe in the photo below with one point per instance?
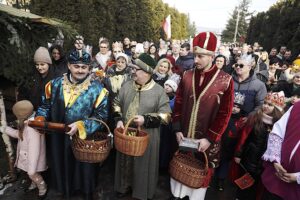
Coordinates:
(66, 102)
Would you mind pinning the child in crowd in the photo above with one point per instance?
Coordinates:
(167, 138)
(31, 150)
(162, 71)
(229, 140)
(253, 141)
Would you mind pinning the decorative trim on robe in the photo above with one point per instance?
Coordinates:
(81, 130)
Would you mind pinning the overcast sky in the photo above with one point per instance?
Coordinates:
(214, 13)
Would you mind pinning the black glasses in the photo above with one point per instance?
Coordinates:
(239, 65)
(135, 69)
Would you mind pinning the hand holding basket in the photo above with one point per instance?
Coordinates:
(131, 141)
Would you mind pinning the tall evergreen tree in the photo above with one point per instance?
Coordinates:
(278, 26)
(191, 28)
(242, 11)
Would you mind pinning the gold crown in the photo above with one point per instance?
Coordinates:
(117, 44)
(277, 99)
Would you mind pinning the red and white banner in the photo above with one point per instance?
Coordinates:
(167, 26)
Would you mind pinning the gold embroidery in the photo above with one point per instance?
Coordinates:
(81, 129)
(48, 90)
(213, 132)
(72, 91)
(148, 86)
(193, 119)
(101, 96)
(116, 82)
(165, 118)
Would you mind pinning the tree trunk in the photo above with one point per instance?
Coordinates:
(5, 137)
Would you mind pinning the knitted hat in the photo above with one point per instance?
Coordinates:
(205, 43)
(123, 55)
(22, 109)
(42, 55)
(79, 57)
(146, 63)
(173, 81)
(277, 99)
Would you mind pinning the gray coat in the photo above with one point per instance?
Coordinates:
(141, 173)
(254, 90)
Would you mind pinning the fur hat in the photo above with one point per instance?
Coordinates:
(79, 57)
(173, 81)
(205, 43)
(123, 55)
(42, 55)
(277, 99)
(146, 63)
(22, 109)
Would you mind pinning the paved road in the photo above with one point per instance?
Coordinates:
(105, 188)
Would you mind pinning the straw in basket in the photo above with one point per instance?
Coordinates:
(188, 170)
(133, 144)
(94, 149)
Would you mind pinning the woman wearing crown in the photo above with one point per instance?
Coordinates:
(253, 140)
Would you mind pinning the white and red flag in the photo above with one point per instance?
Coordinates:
(167, 26)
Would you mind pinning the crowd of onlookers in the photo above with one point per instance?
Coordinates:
(259, 77)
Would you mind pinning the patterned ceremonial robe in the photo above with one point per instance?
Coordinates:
(141, 173)
(66, 102)
(203, 111)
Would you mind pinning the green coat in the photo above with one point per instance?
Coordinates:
(141, 173)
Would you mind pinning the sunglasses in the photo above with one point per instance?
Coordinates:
(239, 65)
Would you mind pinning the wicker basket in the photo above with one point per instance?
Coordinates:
(131, 145)
(188, 170)
(93, 149)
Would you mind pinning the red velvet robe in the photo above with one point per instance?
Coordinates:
(203, 111)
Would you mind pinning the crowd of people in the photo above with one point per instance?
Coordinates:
(239, 104)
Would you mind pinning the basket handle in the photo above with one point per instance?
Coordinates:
(128, 123)
(205, 158)
(102, 122)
